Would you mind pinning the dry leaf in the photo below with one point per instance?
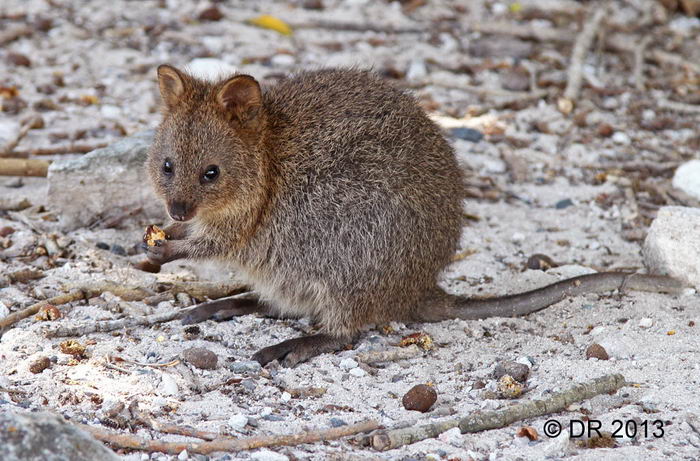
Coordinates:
(267, 21)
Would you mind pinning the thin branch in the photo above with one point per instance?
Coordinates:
(20, 276)
(392, 355)
(228, 444)
(61, 150)
(81, 329)
(481, 421)
(638, 73)
(13, 33)
(15, 317)
(578, 56)
(30, 124)
(23, 167)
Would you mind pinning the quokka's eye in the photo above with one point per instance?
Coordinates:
(211, 173)
(168, 167)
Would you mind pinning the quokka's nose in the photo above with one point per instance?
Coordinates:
(180, 211)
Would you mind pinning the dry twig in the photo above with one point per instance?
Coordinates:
(13, 33)
(578, 55)
(15, 317)
(638, 72)
(61, 150)
(23, 167)
(228, 444)
(20, 276)
(30, 124)
(392, 355)
(84, 328)
(481, 421)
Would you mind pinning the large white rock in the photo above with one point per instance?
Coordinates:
(672, 245)
(104, 183)
(687, 178)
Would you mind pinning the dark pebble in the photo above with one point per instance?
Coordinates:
(397, 378)
(468, 134)
(40, 364)
(479, 384)
(597, 351)
(249, 384)
(337, 422)
(18, 59)
(540, 262)
(118, 250)
(212, 13)
(561, 204)
(517, 371)
(5, 231)
(419, 398)
(102, 246)
(192, 332)
(273, 418)
(200, 357)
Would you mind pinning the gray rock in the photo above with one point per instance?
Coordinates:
(517, 371)
(104, 183)
(672, 245)
(200, 357)
(245, 366)
(45, 436)
(687, 178)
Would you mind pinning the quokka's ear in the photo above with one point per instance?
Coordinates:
(172, 85)
(240, 96)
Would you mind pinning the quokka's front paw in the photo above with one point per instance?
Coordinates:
(160, 253)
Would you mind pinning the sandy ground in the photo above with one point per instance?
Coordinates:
(91, 77)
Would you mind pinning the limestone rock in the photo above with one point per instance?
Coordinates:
(687, 178)
(44, 436)
(104, 183)
(672, 245)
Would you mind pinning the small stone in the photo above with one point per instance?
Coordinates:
(337, 422)
(5, 231)
(39, 364)
(597, 351)
(102, 246)
(358, 372)
(348, 364)
(687, 178)
(200, 357)
(191, 332)
(168, 386)
(282, 60)
(118, 250)
(245, 366)
(517, 371)
(419, 398)
(561, 204)
(416, 70)
(621, 138)
(212, 13)
(18, 59)
(286, 396)
(145, 457)
(467, 134)
(249, 384)
(646, 322)
(238, 421)
(479, 384)
(605, 130)
(183, 456)
(268, 455)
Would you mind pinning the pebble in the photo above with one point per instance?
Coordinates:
(183, 456)
(419, 398)
(597, 351)
(687, 178)
(282, 60)
(286, 397)
(245, 366)
(358, 372)
(200, 357)
(118, 250)
(467, 134)
(238, 421)
(561, 204)
(249, 384)
(453, 437)
(517, 371)
(102, 246)
(39, 364)
(145, 457)
(646, 322)
(416, 70)
(621, 138)
(337, 422)
(348, 364)
(212, 13)
(268, 455)
(168, 386)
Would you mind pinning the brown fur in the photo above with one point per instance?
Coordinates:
(339, 200)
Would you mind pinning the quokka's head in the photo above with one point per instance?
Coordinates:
(206, 156)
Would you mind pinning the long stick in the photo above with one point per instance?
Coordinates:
(229, 444)
(23, 167)
(15, 317)
(578, 55)
(481, 421)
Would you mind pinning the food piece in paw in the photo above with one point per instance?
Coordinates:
(154, 236)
